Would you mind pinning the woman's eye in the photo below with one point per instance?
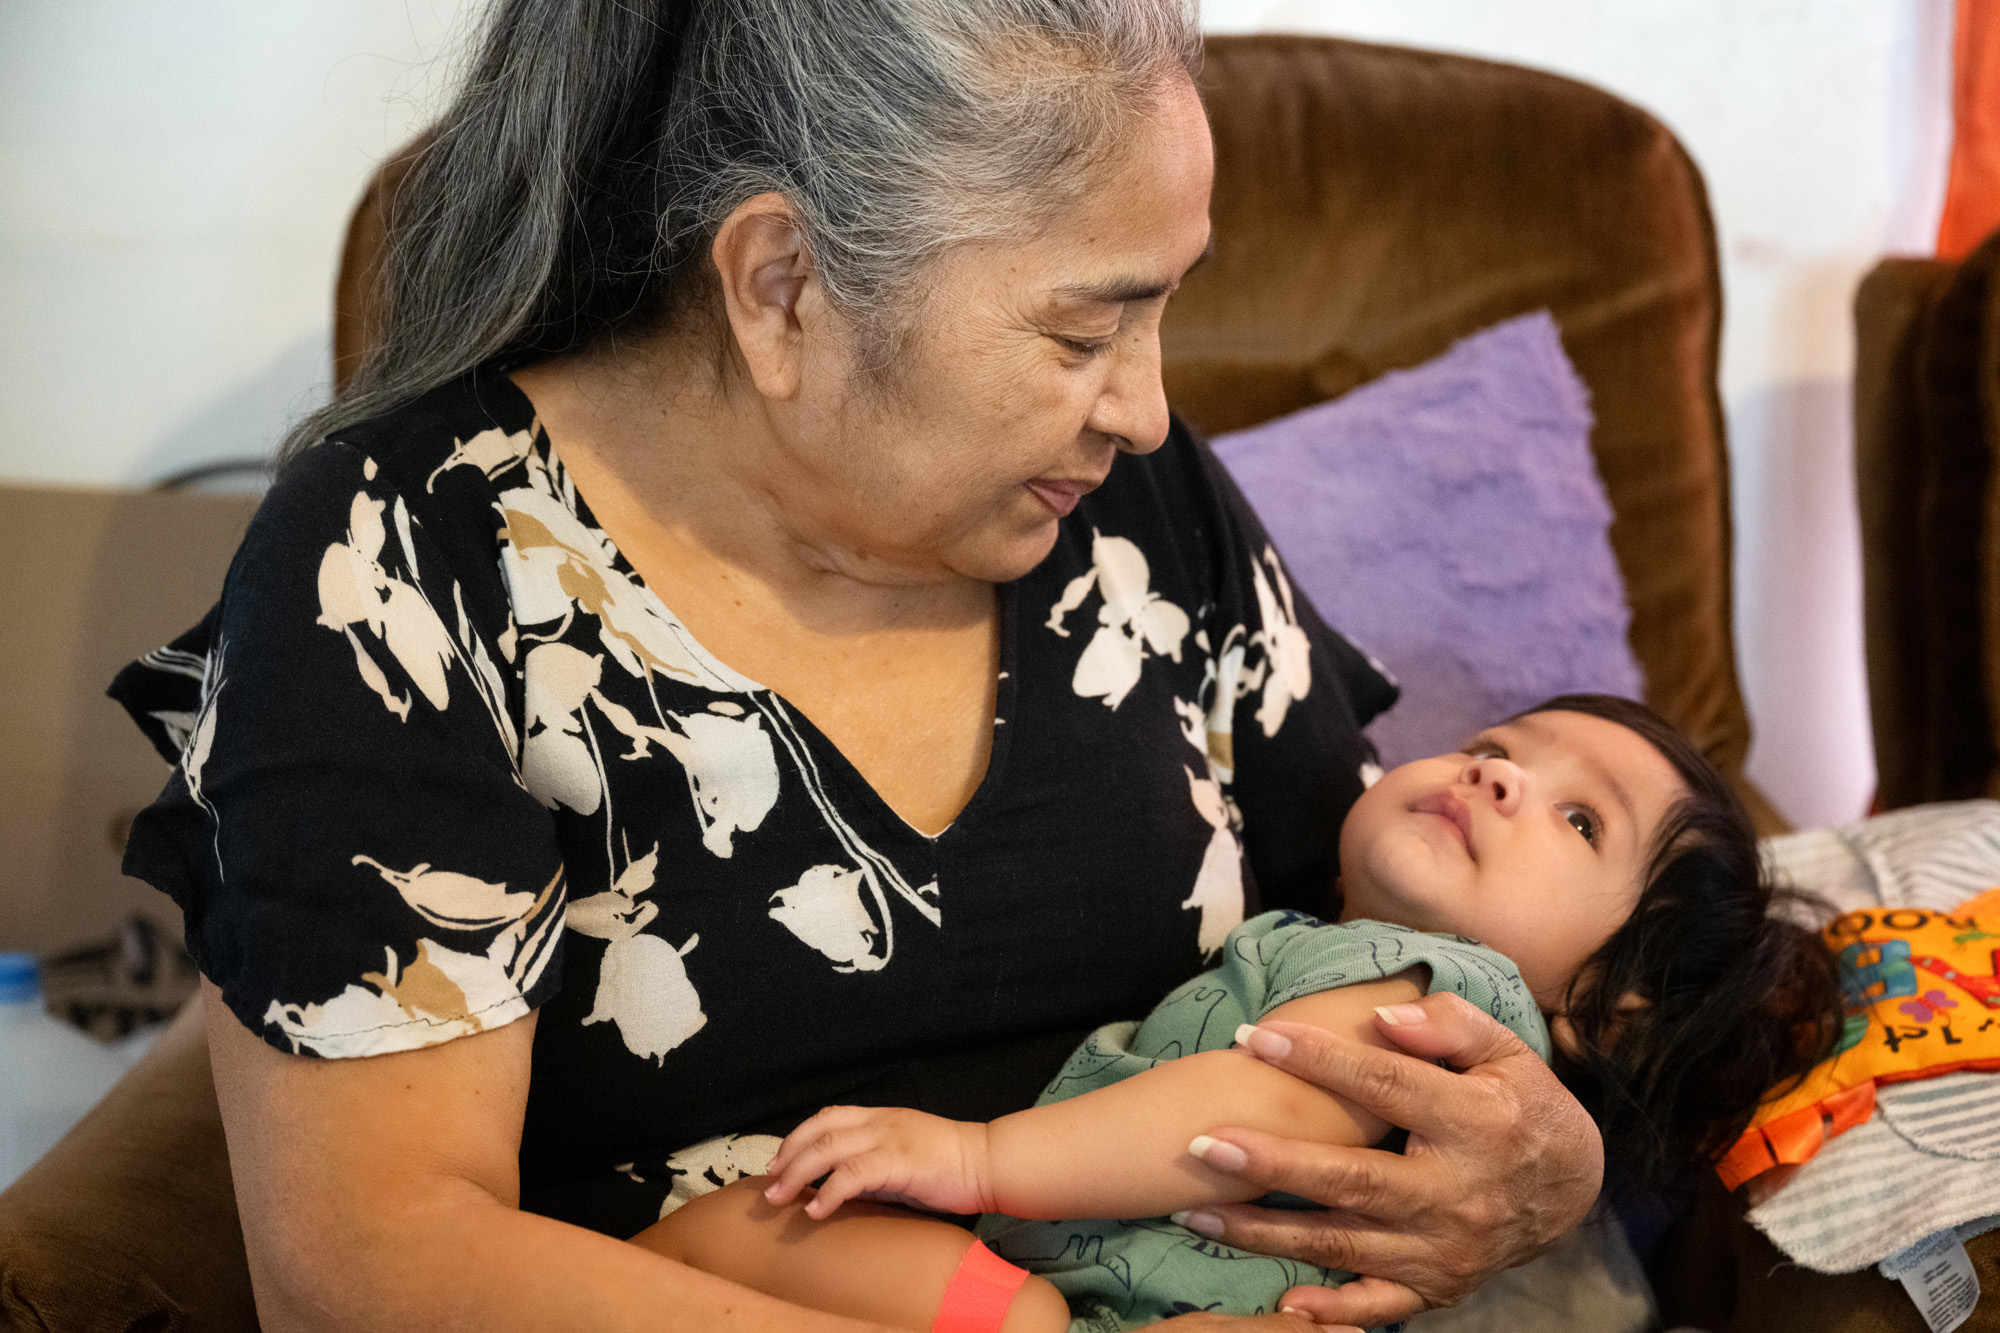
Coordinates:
(1084, 348)
(1583, 822)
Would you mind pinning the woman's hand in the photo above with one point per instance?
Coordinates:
(1231, 1323)
(886, 1154)
(1501, 1163)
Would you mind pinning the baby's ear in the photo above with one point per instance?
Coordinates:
(1563, 1032)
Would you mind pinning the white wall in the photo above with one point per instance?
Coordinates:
(178, 175)
(1822, 127)
(177, 178)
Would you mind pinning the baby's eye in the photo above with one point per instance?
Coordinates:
(1485, 749)
(1583, 822)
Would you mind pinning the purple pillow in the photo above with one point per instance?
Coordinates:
(1449, 519)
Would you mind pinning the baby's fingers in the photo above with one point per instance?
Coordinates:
(814, 1134)
(813, 1127)
(835, 1190)
(815, 1159)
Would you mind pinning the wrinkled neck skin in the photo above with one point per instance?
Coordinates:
(684, 458)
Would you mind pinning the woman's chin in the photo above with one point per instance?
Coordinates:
(1002, 557)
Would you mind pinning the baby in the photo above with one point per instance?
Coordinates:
(1626, 937)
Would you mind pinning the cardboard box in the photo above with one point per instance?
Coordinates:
(89, 580)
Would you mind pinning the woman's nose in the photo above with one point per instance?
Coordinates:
(1132, 409)
(1501, 779)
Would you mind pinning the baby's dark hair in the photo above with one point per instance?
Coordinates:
(1735, 1001)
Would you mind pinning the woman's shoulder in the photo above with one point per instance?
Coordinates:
(433, 465)
(477, 423)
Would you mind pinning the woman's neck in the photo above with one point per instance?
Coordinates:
(684, 465)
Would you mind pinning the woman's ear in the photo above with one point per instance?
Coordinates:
(769, 291)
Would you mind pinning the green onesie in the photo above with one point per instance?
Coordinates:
(1123, 1275)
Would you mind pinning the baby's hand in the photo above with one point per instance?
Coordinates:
(886, 1154)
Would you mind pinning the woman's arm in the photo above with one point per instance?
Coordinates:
(381, 1194)
(1501, 1163)
(1126, 1150)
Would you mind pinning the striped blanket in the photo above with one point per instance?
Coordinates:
(1929, 1158)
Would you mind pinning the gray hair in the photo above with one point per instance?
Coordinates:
(572, 187)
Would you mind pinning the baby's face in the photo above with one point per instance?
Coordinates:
(1533, 841)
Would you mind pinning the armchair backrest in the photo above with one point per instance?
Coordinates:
(1373, 204)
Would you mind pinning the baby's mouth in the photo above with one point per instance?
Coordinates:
(1447, 806)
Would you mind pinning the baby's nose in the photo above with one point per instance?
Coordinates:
(1499, 778)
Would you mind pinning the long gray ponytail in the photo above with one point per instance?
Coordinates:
(571, 188)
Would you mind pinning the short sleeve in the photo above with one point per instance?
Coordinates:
(1291, 956)
(1286, 717)
(346, 829)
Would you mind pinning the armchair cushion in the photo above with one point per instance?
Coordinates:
(130, 1222)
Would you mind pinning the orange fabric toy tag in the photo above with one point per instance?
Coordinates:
(1922, 1000)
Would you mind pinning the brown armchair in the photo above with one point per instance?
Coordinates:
(1927, 430)
(1372, 204)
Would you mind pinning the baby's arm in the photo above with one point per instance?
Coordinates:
(1119, 1151)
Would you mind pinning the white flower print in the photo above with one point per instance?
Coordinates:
(556, 565)
(730, 763)
(354, 589)
(732, 773)
(451, 992)
(454, 994)
(825, 911)
(1218, 885)
(461, 902)
(556, 765)
(1133, 622)
(1287, 650)
(564, 583)
(709, 1165)
(454, 901)
(1275, 658)
(200, 741)
(492, 451)
(642, 985)
(179, 725)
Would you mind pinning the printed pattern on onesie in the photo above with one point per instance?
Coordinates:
(1129, 1274)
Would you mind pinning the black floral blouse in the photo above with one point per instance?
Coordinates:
(442, 758)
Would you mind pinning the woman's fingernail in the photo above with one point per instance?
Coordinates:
(1205, 1224)
(1218, 1154)
(771, 1192)
(1400, 1015)
(1261, 1041)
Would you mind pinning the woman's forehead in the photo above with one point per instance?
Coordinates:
(1138, 224)
(1130, 285)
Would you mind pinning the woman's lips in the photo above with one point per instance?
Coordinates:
(1061, 496)
(1448, 807)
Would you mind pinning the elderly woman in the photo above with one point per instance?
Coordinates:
(753, 637)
